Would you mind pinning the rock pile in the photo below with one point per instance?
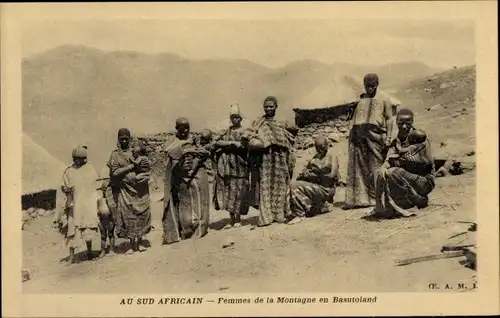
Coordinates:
(453, 167)
(154, 145)
(335, 130)
(33, 213)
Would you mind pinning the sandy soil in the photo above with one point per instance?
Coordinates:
(334, 252)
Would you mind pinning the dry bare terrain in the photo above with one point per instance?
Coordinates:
(337, 251)
(89, 94)
(334, 252)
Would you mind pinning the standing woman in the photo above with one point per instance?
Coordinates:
(276, 162)
(186, 211)
(369, 137)
(130, 195)
(232, 170)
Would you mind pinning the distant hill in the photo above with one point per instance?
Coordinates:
(400, 73)
(77, 94)
(445, 107)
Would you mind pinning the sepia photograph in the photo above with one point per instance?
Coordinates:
(217, 156)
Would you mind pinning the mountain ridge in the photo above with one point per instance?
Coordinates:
(74, 93)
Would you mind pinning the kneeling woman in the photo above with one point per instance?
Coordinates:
(406, 179)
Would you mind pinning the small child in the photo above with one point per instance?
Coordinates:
(206, 144)
(106, 221)
(206, 138)
(140, 153)
(417, 142)
(414, 152)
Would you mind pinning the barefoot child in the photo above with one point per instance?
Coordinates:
(106, 222)
(79, 186)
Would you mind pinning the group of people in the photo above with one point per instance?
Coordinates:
(252, 167)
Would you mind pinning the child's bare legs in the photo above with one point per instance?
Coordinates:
(107, 229)
(111, 245)
(103, 247)
(103, 229)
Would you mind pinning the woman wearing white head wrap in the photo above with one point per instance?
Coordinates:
(232, 180)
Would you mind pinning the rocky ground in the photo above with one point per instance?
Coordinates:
(337, 251)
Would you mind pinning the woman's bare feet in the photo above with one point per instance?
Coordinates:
(295, 220)
(103, 253)
(130, 251)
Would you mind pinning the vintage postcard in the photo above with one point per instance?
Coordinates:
(249, 159)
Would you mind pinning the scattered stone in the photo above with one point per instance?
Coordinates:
(470, 153)
(442, 144)
(447, 85)
(335, 137)
(334, 130)
(467, 166)
(343, 129)
(442, 172)
(25, 216)
(435, 107)
(456, 169)
(25, 275)
(228, 245)
(40, 212)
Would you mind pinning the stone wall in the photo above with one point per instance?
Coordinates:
(154, 145)
(335, 130)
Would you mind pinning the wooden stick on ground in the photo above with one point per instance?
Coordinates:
(413, 260)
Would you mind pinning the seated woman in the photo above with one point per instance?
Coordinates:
(407, 176)
(316, 184)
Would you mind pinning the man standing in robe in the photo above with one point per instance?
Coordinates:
(369, 137)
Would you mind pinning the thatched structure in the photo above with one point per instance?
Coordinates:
(306, 117)
(41, 176)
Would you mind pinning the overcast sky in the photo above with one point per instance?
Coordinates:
(272, 43)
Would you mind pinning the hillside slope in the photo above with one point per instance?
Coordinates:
(77, 94)
(445, 107)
